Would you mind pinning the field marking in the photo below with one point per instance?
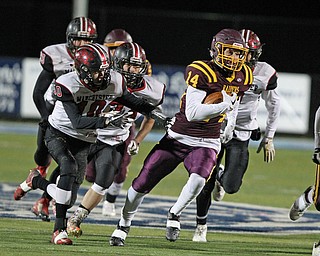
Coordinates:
(222, 217)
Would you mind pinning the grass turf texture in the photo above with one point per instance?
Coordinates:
(276, 184)
(27, 237)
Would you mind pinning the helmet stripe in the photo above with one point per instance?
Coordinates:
(102, 53)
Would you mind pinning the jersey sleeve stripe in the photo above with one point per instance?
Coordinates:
(248, 75)
(208, 69)
(202, 70)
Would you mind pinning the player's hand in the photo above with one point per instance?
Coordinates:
(169, 122)
(133, 148)
(316, 156)
(117, 118)
(268, 149)
(231, 100)
(227, 134)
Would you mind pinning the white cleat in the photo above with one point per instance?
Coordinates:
(300, 206)
(200, 235)
(218, 192)
(108, 209)
(316, 249)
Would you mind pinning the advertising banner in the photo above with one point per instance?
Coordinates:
(10, 86)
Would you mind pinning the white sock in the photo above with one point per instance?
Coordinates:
(310, 195)
(189, 192)
(132, 203)
(115, 189)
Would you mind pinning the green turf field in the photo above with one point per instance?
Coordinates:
(275, 184)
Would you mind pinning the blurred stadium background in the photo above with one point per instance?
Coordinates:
(173, 35)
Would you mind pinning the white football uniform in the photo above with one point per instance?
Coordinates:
(248, 107)
(62, 63)
(152, 91)
(92, 103)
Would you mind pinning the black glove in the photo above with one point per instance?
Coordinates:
(316, 156)
(256, 134)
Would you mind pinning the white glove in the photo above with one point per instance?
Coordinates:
(231, 100)
(133, 148)
(117, 118)
(316, 156)
(227, 134)
(268, 149)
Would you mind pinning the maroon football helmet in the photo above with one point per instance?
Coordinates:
(92, 64)
(80, 28)
(254, 45)
(228, 39)
(116, 37)
(133, 55)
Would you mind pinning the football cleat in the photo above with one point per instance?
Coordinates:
(61, 237)
(300, 206)
(73, 225)
(218, 191)
(25, 186)
(173, 227)
(119, 235)
(200, 235)
(41, 209)
(316, 249)
(108, 209)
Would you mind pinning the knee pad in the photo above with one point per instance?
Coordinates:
(98, 189)
(63, 196)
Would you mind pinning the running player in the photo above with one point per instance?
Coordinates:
(194, 136)
(228, 178)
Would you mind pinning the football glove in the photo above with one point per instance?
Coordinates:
(231, 100)
(117, 118)
(268, 149)
(133, 148)
(316, 156)
(227, 134)
(169, 122)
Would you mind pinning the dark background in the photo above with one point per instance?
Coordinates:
(176, 32)
(170, 33)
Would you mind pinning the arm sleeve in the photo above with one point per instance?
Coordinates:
(135, 103)
(82, 122)
(317, 129)
(42, 84)
(272, 104)
(196, 111)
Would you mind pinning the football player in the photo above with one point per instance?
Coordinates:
(113, 39)
(311, 194)
(81, 96)
(194, 136)
(235, 140)
(112, 143)
(55, 60)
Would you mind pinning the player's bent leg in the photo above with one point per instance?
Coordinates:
(301, 204)
(25, 186)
